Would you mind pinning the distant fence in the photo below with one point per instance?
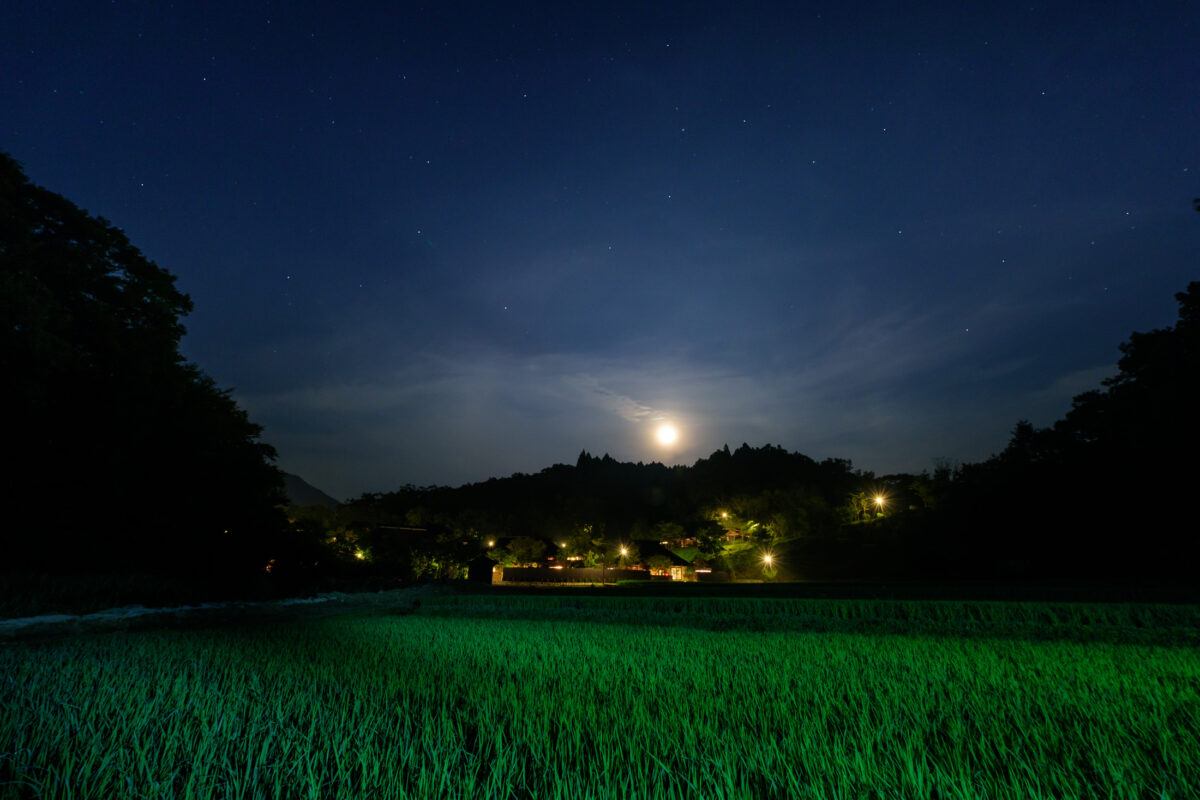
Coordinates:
(572, 575)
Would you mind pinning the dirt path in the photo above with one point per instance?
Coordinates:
(129, 618)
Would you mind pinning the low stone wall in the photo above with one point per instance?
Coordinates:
(716, 575)
(572, 575)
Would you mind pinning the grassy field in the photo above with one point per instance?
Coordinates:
(619, 697)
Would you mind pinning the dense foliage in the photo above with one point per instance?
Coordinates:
(1106, 490)
(631, 499)
(461, 707)
(126, 456)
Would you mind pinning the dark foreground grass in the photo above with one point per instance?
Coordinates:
(436, 705)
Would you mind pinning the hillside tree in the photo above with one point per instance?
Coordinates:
(128, 457)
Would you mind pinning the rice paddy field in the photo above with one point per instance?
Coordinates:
(594, 697)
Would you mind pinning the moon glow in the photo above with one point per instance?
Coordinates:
(666, 434)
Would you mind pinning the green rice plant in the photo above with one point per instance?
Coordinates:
(475, 707)
(1145, 624)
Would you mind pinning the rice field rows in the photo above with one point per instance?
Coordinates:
(1117, 622)
(441, 706)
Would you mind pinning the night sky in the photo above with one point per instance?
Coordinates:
(437, 243)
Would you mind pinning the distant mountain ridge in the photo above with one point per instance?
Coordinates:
(302, 493)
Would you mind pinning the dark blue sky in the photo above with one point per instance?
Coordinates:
(436, 243)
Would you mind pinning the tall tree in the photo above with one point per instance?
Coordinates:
(1087, 495)
(128, 456)
(1148, 409)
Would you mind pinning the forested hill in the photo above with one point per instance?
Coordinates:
(630, 499)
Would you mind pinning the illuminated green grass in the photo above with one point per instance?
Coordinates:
(1089, 622)
(436, 706)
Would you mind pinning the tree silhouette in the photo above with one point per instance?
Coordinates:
(1105, 491)
(128, 456)
(1147, 410)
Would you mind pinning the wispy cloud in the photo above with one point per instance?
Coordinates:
(1045, 404)
(593, 392)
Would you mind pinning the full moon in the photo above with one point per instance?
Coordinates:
(667, 434)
